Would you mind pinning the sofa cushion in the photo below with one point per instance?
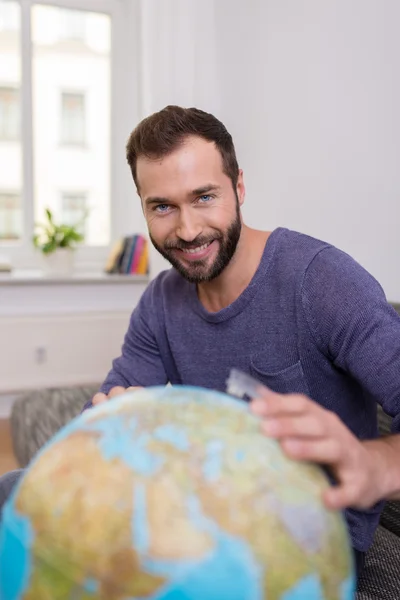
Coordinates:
(36, 416)
(380, 579)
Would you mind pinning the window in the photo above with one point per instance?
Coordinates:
(55, 125)
(9, 114)
(9, 16)
(11, 178)
(10, 216)
(74, 209)
(72, 118)
(72, 24)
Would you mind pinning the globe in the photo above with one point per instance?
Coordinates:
(171, 493)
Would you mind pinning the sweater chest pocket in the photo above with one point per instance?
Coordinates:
(290, 380)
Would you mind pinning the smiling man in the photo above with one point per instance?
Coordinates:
(193, 215)
(298, 314)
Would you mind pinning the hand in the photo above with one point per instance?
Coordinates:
(99, 398)
(307, 431)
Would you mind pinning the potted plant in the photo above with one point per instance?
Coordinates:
(57, 244)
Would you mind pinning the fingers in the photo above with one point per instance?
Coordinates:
(99, 398)
(337, 498)
(303, 425)
(346, 496)
(321, 450)
(309, 432)
(294, 415)
(116, 391)
(275, 404)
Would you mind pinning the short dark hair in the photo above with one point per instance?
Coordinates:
(164, 131)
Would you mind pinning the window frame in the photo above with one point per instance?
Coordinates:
(88, 258)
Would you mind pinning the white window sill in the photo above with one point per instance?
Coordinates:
(32, 277)
(31, 293)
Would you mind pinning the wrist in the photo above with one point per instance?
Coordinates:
(384, 468)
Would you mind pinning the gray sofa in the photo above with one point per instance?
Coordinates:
(36, 416)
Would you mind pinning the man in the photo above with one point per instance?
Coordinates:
(295, 312)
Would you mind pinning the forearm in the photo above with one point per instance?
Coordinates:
(385, 455)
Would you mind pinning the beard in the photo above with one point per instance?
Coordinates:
(199, 271)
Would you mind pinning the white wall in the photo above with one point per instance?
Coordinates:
(311, 93)
(90, 341)
(127, 109)
(178, 62)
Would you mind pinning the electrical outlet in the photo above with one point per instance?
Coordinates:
(40, 355)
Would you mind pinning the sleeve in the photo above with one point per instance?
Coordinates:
(354, 325)
(140, 362)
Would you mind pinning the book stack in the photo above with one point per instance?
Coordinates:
(129, 256)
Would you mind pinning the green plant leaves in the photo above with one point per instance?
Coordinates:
(49, 215)
(52, 236)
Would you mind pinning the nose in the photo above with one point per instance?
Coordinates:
(189, 226)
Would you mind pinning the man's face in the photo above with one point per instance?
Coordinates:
(191, 209)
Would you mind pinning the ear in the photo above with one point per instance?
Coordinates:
(240, 188)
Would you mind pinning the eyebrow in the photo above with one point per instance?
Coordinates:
(156, 200)
(210, 187)
(205, 189)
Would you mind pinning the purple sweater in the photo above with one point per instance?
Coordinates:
(311, 321)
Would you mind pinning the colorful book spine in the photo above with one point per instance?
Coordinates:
(130, 255)
(137, 254)
(143, 266)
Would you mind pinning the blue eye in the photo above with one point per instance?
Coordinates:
(161, 208)
(205, 198)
